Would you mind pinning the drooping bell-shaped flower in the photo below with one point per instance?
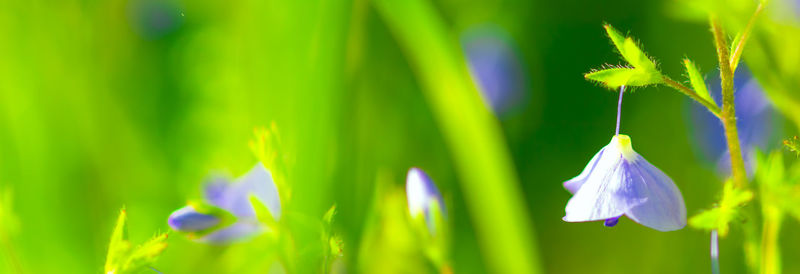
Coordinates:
(232, 198)
(423, 197)
(618, 181)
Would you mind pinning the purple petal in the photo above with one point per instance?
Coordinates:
(187, 219)
(664, 209)
(622, 182)
(421, 193)
(575, 183)
(239, 231)
(235, 197)
(611, 222)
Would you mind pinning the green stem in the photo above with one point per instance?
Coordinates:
(737, 52)
(770, 253)
(728, 114)
(711, 106)
(495, 202)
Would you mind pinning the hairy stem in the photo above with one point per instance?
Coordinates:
(770, 254)
(711, 106)
(728, 114)
(736, 55)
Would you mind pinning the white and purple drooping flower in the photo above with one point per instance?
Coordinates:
(618, 181)
(233, 197)
(423, 197)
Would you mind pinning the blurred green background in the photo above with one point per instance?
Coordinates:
(112, 103)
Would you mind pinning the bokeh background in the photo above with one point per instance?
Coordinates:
(105, 104)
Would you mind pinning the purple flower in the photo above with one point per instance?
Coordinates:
(233, 198)
(423, 196)
(756, 122)
(618, 181)
(495, 67)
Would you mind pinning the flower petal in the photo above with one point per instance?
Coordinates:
(663, 209)
(605, 194)
(575, 183)
(239, 231)
(187, 219)
(420, 191)
(235, 197)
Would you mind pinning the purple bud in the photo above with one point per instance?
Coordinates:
(421, 194)
(187, 219)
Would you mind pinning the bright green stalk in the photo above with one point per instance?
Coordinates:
(728, 114)
(770, 253)
(504, 228)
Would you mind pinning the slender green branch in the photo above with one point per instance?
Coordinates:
(728, 114)
(711, 106)
(736, 55)
(770, 253)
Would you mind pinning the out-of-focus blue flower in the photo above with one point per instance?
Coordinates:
(495, 67)
(423, 197)
(154, 18)
(618, 181)
(234, 198)
(756, 122)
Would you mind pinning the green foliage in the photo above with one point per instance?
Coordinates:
(615, 77)
(697, 81)
(719, 217)
(271, 151)
(123, 258)
(225, 218)
(8, 221)
(642, 73)
(793, 145)
(779, 187)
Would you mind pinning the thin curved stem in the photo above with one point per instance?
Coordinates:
(714, 252)
(619, 107)
(711, 106)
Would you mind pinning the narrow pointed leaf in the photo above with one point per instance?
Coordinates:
(630, 51)
(147, 253)
(616, 77)
(696, 79)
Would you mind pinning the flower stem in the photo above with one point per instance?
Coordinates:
(770, 254)
(714, 252)
(728, 113)
(711, 106)
(619, 107)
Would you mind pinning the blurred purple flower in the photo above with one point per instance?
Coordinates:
(154, 18)
(756, 122)
(618, 181)
(233, 197)
(495, 67)
(422, 194)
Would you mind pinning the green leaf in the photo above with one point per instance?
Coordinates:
(122, 258)
(262, 212)
(615, 77)
(696, 79)
(147, 253)
(328, 217)
(118, 246)
(631, 52)
(719, 218)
